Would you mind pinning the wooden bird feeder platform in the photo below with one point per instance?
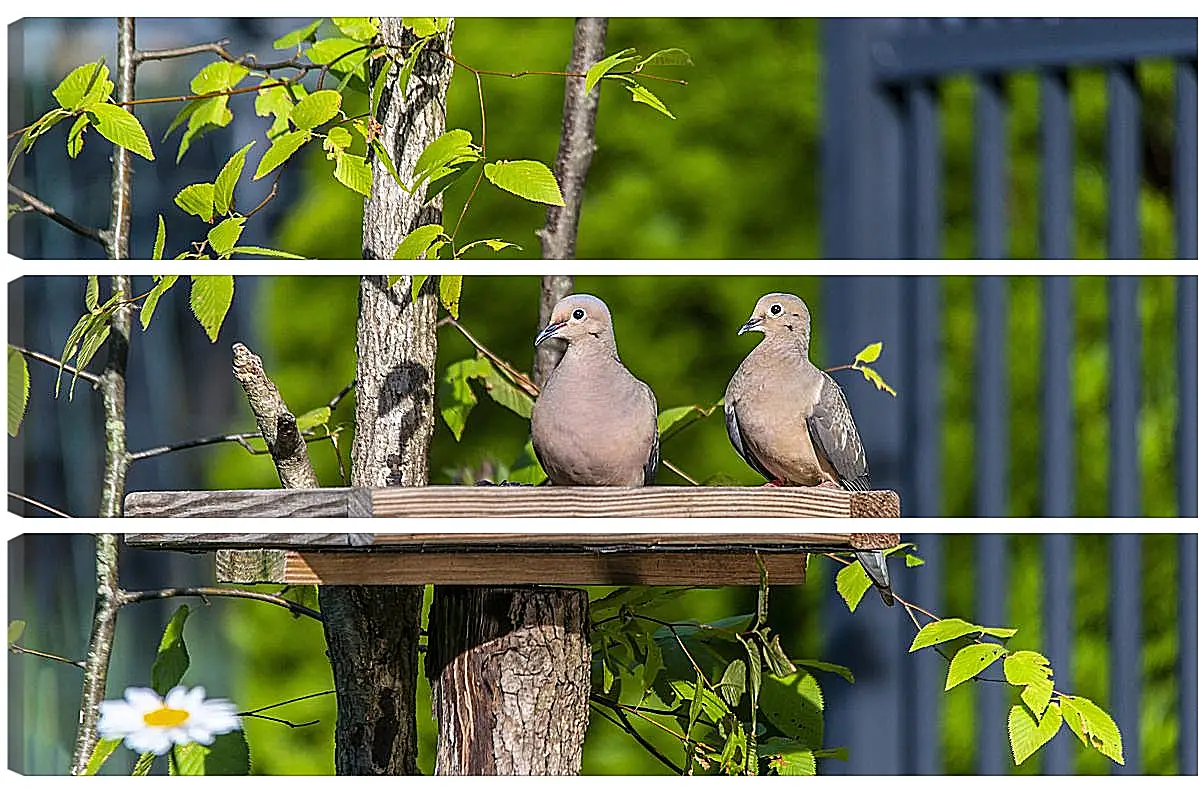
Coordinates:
(618, 554)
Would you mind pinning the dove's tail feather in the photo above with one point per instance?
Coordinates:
(874, 562)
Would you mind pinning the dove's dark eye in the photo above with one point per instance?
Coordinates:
(579, 313)
(775, 310)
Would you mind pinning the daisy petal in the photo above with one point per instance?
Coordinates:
(142, 700)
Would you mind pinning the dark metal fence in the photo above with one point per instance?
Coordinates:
(881, 198)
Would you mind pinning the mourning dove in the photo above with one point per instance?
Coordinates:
(789, 419)
(594, 424)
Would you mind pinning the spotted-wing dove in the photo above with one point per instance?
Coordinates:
(594, 424)
(789, 419)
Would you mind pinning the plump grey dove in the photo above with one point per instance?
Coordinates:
(789, 419)
(594, 423)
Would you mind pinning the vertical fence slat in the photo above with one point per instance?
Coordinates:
(1057, 467)
(1187, 506)
(989, 186)
(1185, 158)
(1123, 162)
(1187, 662)
(1056, 166)
(923, 148)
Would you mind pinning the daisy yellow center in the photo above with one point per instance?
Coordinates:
(166, 717)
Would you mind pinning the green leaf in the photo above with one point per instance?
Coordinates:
(839, 753)
(417, 282)
(229, 754)
(267, 252)
(331, 51)
(337, 139)
(225, 235)
(944, 630)
(642, 95)
(198, 199)
(825, 666)
(71, 348)
(405, 72)
(360, 29)
(121, 128)
(211, 297)
(868, 354)
(144, 762)
(425, 26)
(1037, 696)
(495, 244)
(227, 179)
(417, 242)
(310, 419)
(377, 147)
(795, 706)
(316, 109)
(159, 241)
(293, 38)
(104, 748)
(450, 149)
(505, 393)
(531, 180)
(732, 684)
(457, 399)
(209, 114)
(852, 583)
(527, 469)
(1027, 734)
(1003, 633)
(172, 660)
(971, 660)
(280, 150)
(673, 416)
(218, 76)
(670, 57)
(91, 295)
(163, 283)
(792, 760)
(912, 560)
(16, 628)
(354, 172)
(601, 68)
(93, 338)
(75, 137)
(83, 85)
(277, 102)
(872, 375)
(1093, 726)
(450, 290)
(1025, 667)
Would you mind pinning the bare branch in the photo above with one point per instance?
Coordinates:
(16, 648)
(205, 592)
(239, 438)
(48, 211)
(289, 702)
(516, 376)
(99, 649)
(38, 504)
(90, 377)
(287, 447)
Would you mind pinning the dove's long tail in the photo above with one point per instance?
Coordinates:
(874, 563)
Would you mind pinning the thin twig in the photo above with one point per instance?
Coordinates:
(240, 438)
(523, 73)
(289, 702)
(519, 378)
(274, 191)
(220, 591)
(48, 211)
(288, 723)
(624, 723)
(482, 112)
(665, 462)
(332, 404)
(16, 648)
(38, 504)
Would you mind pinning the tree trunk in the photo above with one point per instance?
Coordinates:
(511, 667)
(372, 632)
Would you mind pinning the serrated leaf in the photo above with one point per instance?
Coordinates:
(872, 375)
(75, 137)
(316, 109)
(793, 762)
(417, 282)
(424, 26)
(229, 754)
(912, 560)
(71, 347)
(868, 354)
(971, 660)
(826, 666)
(670, 57)
(1097, 729)
(211, 297)
(310, 419)
(642, 95)
(172, 659)
(333, 52)
(293, 38)
(449, 149)
(353, 171)
(144, 762)
(1004, 633)
(103, 749)
(280, 150)
(159, 242)
(209, 114)
(266, 252)
(531, 180)
(360, 29)
(1037, 696)
(198, 199)
(91, 295)
(93, 338)
(852, 583)
(733, 682)
(449, 288)
(163, 283)
(606, 65)
(1025, 667)
(944, 630)
(227, 179)
(416, 242)
(218, 77)
(505, 393)
(794, 705)
(405, 71)
(337, 139)
(121, 128)
(457, 399)
(225, 234)
(16, 628)
(85, 84)
(277, 102)
(1028, 735)
(495, 244)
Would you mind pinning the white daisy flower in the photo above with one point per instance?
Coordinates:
(151, 724)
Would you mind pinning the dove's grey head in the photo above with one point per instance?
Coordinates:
(581, 320)
(783, 318)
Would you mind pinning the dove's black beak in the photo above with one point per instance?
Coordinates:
(752, 325)
(549, 332)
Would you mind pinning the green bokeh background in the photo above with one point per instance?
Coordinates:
(735, 176)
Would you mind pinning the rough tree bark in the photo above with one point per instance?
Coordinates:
(510, 667)
(372, 632)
